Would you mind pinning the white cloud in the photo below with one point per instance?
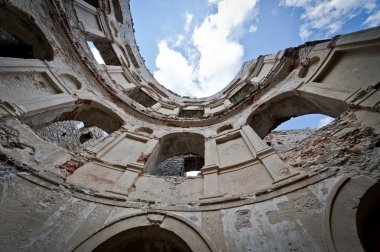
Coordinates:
(179, 41)
(324, 121)
(373, 20)
(213, 1)
(212, 55)
(188, 19)
(327, 16)
(174, 69)
(252, 28)
(295, 3)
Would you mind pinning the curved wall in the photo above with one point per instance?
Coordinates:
(247, 196)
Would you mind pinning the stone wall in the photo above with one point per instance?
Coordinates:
(71, 135)
(345, 144)
(69, 189)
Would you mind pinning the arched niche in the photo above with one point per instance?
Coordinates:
(351, 213)
(368, 219)
(287, 105)
(91, 113)
(20, 37)
(176, 144)
(153, 228)
(71, 81)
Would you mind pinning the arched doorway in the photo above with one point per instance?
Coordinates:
(368, 219)
(351, 215)
(153, 231)
(146, 239)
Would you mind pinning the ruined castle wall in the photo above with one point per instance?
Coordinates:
(63, 190)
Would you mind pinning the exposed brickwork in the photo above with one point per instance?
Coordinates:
(345, 144)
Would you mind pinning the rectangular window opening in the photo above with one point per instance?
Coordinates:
(103, 52)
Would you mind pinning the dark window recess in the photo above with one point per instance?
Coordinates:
(12, 47)
(195, 114)
(132, 56)
(224, 128)
(243, 93)
(192, 163)
(377, 143)
(94, 3)
(21, 38)
(141, 97)
(179, 165)
(117, 10)
(85, 137)
(106, 51)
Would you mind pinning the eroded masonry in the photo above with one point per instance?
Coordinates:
(94, 157)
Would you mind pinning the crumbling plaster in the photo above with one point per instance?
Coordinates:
(249, 196)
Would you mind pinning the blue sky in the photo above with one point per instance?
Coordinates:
(196, 47)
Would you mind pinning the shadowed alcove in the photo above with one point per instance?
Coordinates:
(368, 219)
(176, 154)
(147, 239)
(22, 38)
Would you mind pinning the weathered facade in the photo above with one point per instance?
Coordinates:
(86, 149)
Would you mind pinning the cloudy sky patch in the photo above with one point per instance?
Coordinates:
(195, 48)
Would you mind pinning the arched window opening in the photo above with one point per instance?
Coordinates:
(287, 106)
(21, 38)
(185, 165)
(94, 115)
(177, 154)
(291, 132)
(13, 47)
(148, 239)
(298, 146)
(368, 219)
(72, 135)
(311, 121)
(86, 114)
